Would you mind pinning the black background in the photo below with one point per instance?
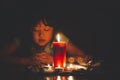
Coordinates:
(88, 24)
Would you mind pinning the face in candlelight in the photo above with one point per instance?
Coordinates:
(42, 33)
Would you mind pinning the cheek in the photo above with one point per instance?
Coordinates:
(50, 34)
(35, 37)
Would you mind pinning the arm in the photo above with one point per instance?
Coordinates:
(74, 50)
(7, 52)
(17, 60)
(78, 54)
(8, 49)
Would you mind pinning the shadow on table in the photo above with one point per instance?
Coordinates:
(21, 73)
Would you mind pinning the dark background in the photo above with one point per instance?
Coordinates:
(88, 24)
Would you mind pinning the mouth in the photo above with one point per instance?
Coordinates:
(41, 40)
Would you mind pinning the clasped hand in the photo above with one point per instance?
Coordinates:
(42, 58)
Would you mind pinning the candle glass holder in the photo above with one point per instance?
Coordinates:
(59, 49)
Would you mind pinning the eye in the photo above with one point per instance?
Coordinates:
(47, 28)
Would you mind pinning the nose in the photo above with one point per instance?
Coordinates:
(41, 33)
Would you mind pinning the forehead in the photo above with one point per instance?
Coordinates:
(41, 25)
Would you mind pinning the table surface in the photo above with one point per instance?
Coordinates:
(23, 74)
(52, 77)
(26, 75)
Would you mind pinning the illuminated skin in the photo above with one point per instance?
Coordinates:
(42, 34)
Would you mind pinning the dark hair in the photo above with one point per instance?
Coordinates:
(47, 20)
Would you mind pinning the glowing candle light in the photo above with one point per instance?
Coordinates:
(70, 78)
(48, 68)
(59, 49)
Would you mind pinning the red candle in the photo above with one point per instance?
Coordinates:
(59, 49)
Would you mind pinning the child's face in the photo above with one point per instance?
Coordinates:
(42, 34)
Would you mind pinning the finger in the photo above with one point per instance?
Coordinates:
(41, 55)
(44, 61)
(41, 59)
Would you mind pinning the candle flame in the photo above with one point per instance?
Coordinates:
(58, 37)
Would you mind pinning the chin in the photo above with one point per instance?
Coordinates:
(41, 44)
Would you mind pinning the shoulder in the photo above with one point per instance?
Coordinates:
(8, 42)
(17, 41)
